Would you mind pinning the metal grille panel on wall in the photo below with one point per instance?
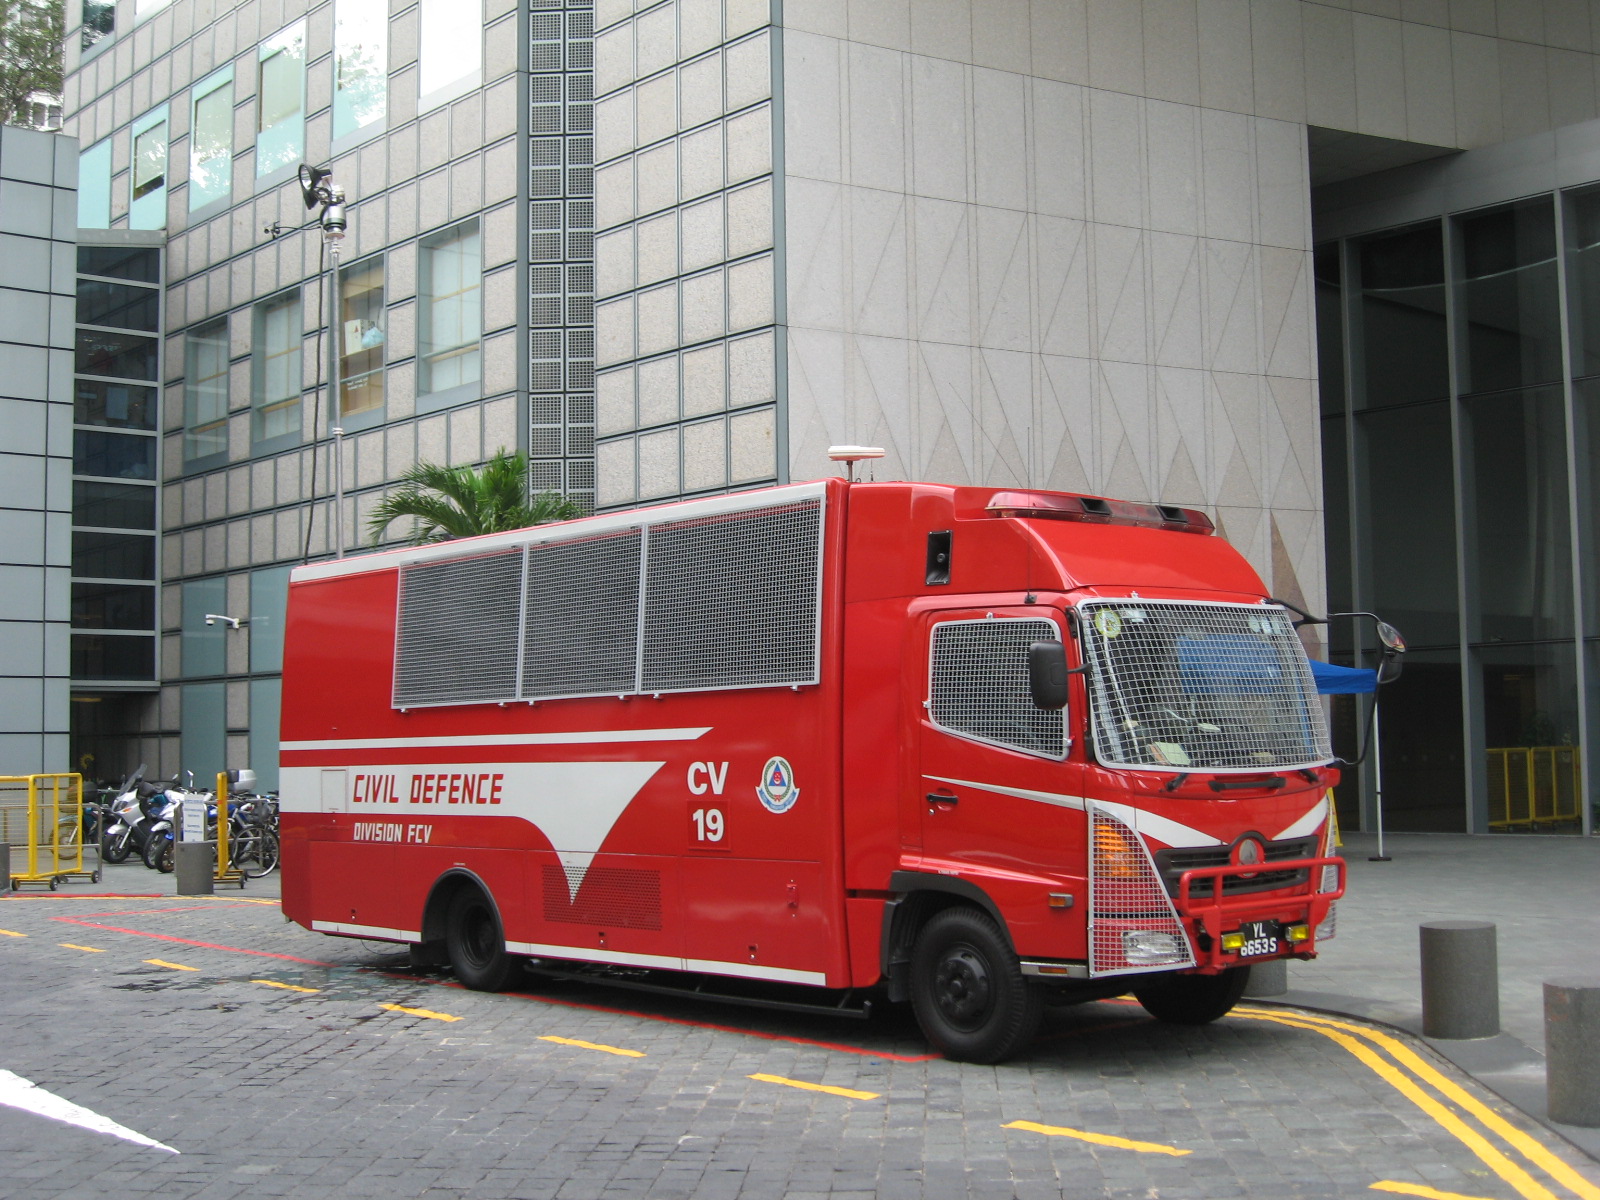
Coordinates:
(561, 248)
(979, 684)
(731, 599)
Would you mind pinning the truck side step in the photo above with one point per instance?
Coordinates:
(850, 1002)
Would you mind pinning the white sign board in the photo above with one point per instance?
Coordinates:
(194, 818)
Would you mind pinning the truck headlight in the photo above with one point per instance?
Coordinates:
(1147, 946)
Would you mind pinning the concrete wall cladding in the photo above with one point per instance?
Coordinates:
(38, 229)
(1067, 244)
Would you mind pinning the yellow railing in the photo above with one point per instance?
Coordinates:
(42, 817)
(1530, 786)
(226, 872)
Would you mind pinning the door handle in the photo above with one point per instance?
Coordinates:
(948, 799)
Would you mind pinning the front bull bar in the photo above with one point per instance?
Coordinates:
(1208, 918)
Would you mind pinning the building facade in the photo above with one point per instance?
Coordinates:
(680, 247)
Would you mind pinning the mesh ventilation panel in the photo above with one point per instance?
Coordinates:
(457, 638)
(581, 632)
(979, 684)
(1207, 687)
(611, 897)
(1125, 896)
(731, 601)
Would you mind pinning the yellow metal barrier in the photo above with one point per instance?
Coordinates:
(44, 813)
(225, 869)
(1530, 786)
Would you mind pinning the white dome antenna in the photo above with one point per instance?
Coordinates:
(851, 455)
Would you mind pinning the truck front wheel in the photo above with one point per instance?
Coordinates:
(968, 991)
(1193, 999)
(476, 944)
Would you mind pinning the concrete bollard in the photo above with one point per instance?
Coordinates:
(196, 868)
(1572, 1050)
(1268, 978)
(1460, 980)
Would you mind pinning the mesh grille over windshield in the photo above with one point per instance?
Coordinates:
(1201, 687)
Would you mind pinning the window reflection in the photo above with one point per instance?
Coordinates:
(1509, 311)
(1404, 351)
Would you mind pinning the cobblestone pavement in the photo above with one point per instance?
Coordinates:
(283, 1063)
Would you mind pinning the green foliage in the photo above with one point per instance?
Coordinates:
(456, 502)
(30, 54)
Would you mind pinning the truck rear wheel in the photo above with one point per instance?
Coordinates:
(1193, 999)
(476, 944)
(968, 991)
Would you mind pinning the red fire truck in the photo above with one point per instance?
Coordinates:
(974, 748)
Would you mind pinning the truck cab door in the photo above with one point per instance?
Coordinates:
(1000, 801)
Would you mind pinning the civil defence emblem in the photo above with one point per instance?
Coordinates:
(777, 790)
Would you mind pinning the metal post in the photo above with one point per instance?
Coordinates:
(1572, 1050)
(336, 405)
(1460, 980)
(1377, 777)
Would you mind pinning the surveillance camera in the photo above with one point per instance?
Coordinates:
(211, 620)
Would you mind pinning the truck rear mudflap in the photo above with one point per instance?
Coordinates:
(1233, 931)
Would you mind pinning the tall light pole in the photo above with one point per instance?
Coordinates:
(317, 187)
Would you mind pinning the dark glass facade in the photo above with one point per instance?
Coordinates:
(1460, 366)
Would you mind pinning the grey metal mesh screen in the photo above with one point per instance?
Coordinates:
(731, 601)
(457, 636)
(979, 684)
(581, 631)
(1126, 896)
(1206, 687)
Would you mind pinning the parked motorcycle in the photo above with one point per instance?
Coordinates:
(160, 850)
(121, 835)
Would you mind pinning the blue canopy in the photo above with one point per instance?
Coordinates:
(1343, 681)
(1228, 664)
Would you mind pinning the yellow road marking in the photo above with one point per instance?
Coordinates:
(12, 933)
(161, 962)
(288, 987)
(849, 1093)
(595, 1046)
(1099, 1139)
(75, 946)
(1502, 1166)
(1525, 1144)
(419, 1012)
(1419, 1189)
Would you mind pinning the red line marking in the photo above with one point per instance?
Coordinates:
(93, 896)
(167, 937)
(644, 1016)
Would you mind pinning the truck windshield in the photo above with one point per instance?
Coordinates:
(1203, 687)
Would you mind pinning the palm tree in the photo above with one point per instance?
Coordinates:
(456, 502)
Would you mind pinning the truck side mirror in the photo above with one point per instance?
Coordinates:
(1047, 674)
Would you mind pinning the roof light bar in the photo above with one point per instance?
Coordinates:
(1096, 510)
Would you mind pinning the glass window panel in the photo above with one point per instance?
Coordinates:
(113, 555)
(205, 391)
(118, 304)
(120, 405)
(1424, 770)
(277, 367)
(99, 656)
(1586, 411)
(113, 505)
(1583, 240)
(1404, 476)
(204, 648)
(1530, 726)
(451, 44)
(451, 310)
(1336, 524)
(122, 354)
(1520, 531)
(280, 121)
(362, 316)
(99, 20)
(361, 52)
(269, 598)
(94, 186)
(113, 455)
(113, 606)
(203, 728)
(1508, 297)
(1404, 355)
(150, 160)
(1330, 328)
(266, 703)
(141, 264)
(211, 142)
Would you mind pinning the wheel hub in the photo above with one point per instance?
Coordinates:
(963, 989)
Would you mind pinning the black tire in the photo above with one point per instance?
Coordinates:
(117, 849)
(256, 853)
(968, 990)
(152, 848)
(1193, 999)
(166, 856)
(476, 944)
